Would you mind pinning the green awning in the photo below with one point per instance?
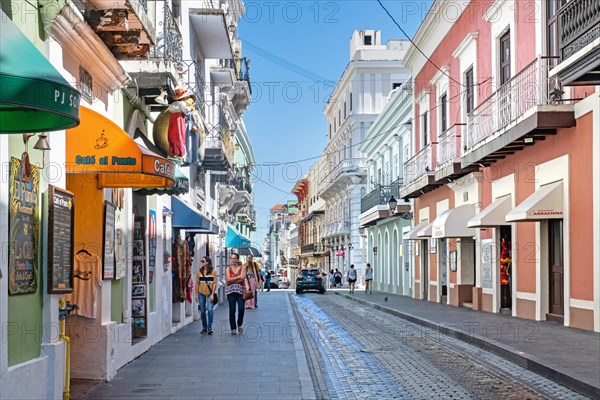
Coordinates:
(34, 97)
(181, 186)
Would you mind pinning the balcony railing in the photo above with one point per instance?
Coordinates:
(381, 195)
(169, 42)
(349, 165)
(529, 88)
(420, 164)
(580, 25)
(308, 248)
(448, 147)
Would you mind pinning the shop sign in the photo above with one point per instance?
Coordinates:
(86, 84)
(152, 244)
(23, 226)
(60, 240)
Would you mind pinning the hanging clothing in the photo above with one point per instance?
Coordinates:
(177, 128)
(182, 270)
(87, 278)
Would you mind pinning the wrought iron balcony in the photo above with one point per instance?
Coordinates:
(529, 104)
(343, 170)
(419, 173)
(378, 197)
(448, 163)
(308, 248)
(580, 27)
(219, 146)
(169, 42)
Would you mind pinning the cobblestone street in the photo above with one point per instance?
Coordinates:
(356, 352)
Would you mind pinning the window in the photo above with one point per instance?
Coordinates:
(552, 31)
(350, 101)
(368, 40)
(425, 129)
(396, 85)
(469, 97)
(345, 115)
(505, 58)
(444, 112)
(330, 131)
(340, 116)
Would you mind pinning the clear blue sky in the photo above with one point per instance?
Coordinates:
(293, 46)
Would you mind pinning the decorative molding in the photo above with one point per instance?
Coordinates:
(583, 304)
(492, 13)
(466, 43)
(76, 37)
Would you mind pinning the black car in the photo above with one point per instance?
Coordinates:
(311, 279)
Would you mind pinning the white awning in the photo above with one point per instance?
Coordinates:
(492, 215)
(425, 232)
(453, 223)
(412, 234)
(544, 203)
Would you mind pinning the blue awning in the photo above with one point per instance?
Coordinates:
(187, 217)
(235, 239)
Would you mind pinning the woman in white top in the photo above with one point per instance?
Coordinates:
(369, 279)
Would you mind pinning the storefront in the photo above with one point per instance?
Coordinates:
(34, 98)
(116, 245)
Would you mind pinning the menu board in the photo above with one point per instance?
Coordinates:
(108, 270)
(61, 206)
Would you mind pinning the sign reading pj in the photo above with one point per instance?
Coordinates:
(23, 226)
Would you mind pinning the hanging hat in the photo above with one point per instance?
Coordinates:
(182, 93)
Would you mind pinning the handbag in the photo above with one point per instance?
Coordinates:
(246, 293)
(215, 300)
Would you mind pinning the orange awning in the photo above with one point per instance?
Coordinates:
(99, 146)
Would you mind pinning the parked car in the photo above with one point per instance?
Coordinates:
(311, 279)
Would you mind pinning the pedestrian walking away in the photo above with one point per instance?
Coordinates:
(369, 279)
(206, 282)
(268, 280)
(235, 276)
(338, 278)
(331, 279)
(352, 278)
(253, 275)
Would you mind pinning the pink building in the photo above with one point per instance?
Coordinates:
(506, 171)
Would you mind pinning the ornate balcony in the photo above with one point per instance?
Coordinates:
(419, 174)
(525, 109)
(219, 147)
(579, 43)
(448, 154)
(165, 64)
(123, 25)
(342, 174)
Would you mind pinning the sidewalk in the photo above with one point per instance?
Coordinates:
(568, 356)
(266, 362)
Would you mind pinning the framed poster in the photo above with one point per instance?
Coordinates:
(138, 290)
(488, 252)
(453, 261)
(138, 307)
(108, 254)
(120, 244)
(61, 212)
(433, 246)
(23, 226)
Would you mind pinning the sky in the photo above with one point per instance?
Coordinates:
(298, 50)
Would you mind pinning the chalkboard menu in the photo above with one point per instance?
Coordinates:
(61, 206)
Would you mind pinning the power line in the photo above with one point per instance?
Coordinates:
(417, 47)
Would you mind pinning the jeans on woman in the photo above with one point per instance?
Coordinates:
(235, 299)
(204, 304)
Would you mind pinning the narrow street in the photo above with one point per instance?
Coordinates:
(324, 347)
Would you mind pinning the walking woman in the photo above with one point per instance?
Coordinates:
(235, 278)
(253, 274)
(206, 282)
(369, 279)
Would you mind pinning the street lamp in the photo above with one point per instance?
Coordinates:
(392, 202)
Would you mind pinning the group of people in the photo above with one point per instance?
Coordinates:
(335, 279)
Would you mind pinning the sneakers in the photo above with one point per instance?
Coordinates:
(204, 331)
(210, 331)
(240, 329)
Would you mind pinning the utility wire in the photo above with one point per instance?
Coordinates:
(414, 44)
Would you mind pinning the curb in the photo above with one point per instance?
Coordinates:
(524, 360)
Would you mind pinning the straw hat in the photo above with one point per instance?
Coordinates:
(182, 93)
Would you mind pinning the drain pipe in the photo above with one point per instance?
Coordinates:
(63, 311)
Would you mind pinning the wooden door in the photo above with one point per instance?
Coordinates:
(555, 262)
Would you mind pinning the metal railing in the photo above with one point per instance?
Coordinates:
(419, 164)
(579, 25)
(529, 88)
(308, 248)
(169, 42)
(448, 146)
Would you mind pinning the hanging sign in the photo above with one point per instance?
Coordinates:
(60, 240)
(23, 226)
